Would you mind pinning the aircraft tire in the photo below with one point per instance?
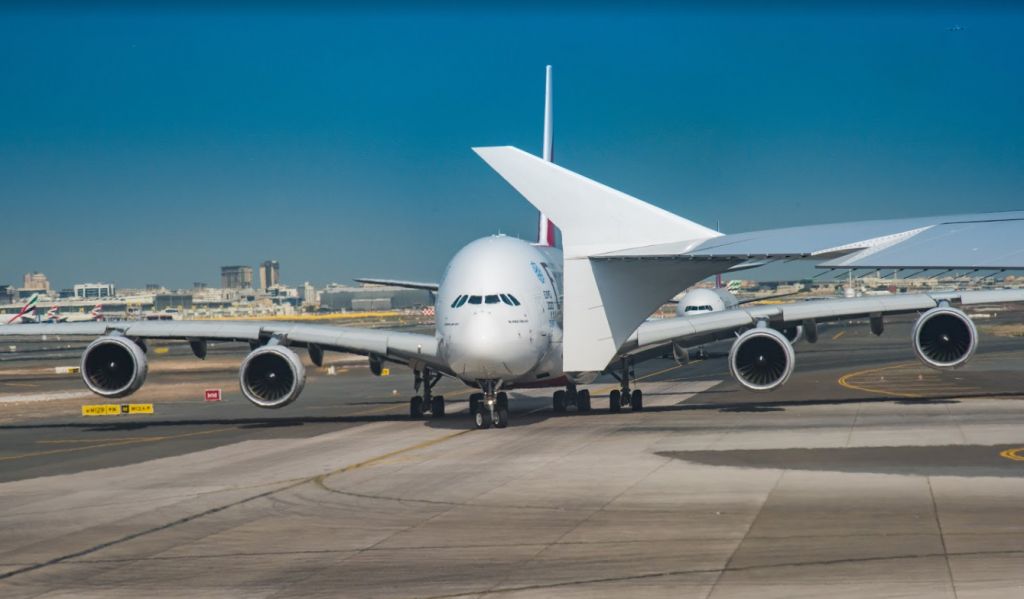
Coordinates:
(558, 401)
(583, 401)
(615, 401)
(437, 406)
(482, 418)
(416, 407)
(501, 417)
(636, 402)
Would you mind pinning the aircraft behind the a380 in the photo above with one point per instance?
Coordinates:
(512, 314)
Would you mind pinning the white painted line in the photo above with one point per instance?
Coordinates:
(31, 397)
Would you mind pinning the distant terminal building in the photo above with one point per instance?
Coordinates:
(175, 301)
(93, 290)
(270, 274)
(7, 294)
(199, 285)
(377, 297)
(36, 281)
(236, 277)
(154, 286)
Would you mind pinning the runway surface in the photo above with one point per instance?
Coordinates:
(867, 475)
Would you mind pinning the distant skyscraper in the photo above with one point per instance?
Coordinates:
(236, 277)
(270, 274)
(36, 280)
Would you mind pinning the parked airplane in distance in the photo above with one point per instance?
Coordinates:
(54, 315)
(27, 312)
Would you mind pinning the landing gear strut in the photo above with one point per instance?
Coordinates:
(634, 398)
(426, 402)
(560, 400)
(489, 407)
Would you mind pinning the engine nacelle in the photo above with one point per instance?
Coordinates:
(272, 376)
(944, 337)
(761, 359)
(114, 366)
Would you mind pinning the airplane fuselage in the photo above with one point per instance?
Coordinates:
(499, 313)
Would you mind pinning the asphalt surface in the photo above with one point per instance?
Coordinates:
(867, 474)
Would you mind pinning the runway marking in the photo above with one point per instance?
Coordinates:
(319, 479)
(844, 381)
(29, 385)
(1016, 454)
(838, 335)
(129, 441)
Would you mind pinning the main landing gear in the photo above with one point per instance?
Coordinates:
(625, 396)
(426, 402)
(561, 400)
(489, 407)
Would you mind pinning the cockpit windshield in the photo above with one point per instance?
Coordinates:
(495, 298)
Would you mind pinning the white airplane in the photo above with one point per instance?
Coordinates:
(54, 315)
(27, 312)
(512, 314)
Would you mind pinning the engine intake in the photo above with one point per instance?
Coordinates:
(114, 366)
(272, 376)
(944, 337)
(761, 359)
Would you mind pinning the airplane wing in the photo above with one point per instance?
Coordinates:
(402, 347)
(625, 257)
(702, 328)
(398, 283)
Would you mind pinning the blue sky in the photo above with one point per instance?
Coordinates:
(156, 146)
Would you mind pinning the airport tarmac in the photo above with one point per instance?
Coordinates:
(866, 475)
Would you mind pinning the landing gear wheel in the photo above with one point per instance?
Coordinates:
(558, 401)
(437, 406)
(583, 401)
(482, 417)
(636, 402)
(416, 408)
(615, 401)
(502, 399)
(474, 402)
(501, 416)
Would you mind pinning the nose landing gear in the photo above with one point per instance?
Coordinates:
(489, 407)
(426, 402)
(561, 400)
(634, 398)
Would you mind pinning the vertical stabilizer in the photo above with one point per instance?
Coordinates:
(546, 228)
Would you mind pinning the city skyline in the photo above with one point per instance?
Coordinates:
(196, 137)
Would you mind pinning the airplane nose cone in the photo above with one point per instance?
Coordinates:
(485, 347)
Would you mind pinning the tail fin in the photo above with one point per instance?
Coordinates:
(605, 300)
(593, 218)
(546, 228)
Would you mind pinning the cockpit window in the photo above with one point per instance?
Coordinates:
(456, 302)
(475, 299)
(515, 302)
(504, 299)
(491, 299)
(462, 300)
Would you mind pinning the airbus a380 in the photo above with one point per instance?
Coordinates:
(512, 314)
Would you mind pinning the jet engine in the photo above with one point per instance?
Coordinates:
(761, 359)
(114, 366)
(944, 337)
(272, 376)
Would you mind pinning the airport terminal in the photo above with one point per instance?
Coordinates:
(613, 398)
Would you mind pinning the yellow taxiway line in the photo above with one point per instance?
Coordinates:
(128, 441)
(844, 381)
(1016, 454)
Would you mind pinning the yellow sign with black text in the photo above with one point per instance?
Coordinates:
(113, 409)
